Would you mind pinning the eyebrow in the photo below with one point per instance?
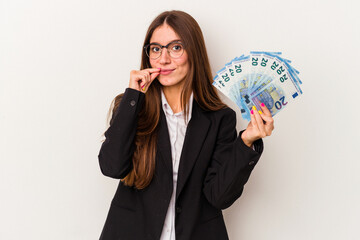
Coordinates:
(176, 40)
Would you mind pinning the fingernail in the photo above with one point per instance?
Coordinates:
(262, 104)
(260, 112)
(142, 86)
(252, 111)
(159, 68)
(143, 89)
(254, 108)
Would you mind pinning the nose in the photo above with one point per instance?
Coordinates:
(164, 57)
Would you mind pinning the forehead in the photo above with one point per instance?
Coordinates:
(163, 35)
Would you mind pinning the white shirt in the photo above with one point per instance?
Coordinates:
(177, 129)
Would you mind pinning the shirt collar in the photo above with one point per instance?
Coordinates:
(168, 111)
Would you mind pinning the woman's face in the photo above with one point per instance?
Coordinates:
(173, 70)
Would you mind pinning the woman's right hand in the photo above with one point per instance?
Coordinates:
(141, 79)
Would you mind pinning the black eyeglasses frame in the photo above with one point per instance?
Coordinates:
(162, 46)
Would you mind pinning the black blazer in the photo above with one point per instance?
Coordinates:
(214, 166)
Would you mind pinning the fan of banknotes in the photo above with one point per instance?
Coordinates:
(260, 77)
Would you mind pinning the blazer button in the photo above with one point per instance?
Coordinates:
(132, 103)
(251, 163)
(178, 209)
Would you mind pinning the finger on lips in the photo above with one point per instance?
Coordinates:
(152, 70)
(149, 76)
(143, 82)
(153, 76)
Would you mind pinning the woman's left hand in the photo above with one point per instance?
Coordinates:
(260, 126)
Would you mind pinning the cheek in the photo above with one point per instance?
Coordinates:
(152, 63)
(184, 63)
(186, 68)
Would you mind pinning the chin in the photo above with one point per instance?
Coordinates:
(166, 81)
(169, 81)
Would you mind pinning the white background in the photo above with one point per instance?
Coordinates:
(63, 61)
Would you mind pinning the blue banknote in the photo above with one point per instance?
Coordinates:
(260, 77)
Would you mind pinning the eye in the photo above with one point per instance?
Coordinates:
(176, 47)
(154, 49)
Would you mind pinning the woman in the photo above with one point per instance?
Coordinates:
(174, 144)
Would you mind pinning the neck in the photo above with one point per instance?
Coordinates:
(172, 94)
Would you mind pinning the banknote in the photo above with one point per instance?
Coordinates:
(259, 77)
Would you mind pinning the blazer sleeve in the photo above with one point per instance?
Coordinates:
(116, 152)
(231, 165)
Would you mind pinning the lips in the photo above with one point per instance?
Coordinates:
(166, 71)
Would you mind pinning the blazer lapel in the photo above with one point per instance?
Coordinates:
(195, 135)
(164, 143)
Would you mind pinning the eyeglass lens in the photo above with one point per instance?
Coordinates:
(175, 50)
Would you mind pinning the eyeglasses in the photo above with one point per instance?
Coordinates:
(175, 49)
